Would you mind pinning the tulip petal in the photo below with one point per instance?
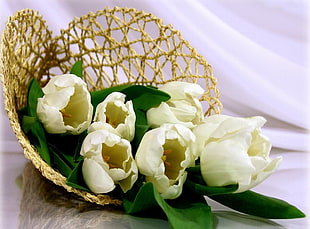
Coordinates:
(102, 126)
(232, 124)
(183, 110)
(128, 182)
(96, 178)
(260, 145)
(150, 151)
(52, 99)
(117, 174)
(160, 181)
(50, 117)
(226, 162)
(162, 114)
(179, 90)
(263, 174)
(174, 191)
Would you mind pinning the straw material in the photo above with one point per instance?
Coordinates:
(117, 46)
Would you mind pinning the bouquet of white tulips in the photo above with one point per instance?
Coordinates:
(152, 148)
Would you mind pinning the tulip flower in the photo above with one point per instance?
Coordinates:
(234, 151)
(117, 114)
(108, 161)
(66, 105)
(163, 155)
(182, 108)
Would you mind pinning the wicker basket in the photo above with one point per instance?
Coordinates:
(118, 46)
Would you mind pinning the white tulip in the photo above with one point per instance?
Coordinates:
(163, 155)
(108, 161)
(117, 114)
(182, 108)
(234, 151)
(66, 105)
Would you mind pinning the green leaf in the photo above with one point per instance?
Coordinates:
(194, 170)
(32, 127)
(194, 174)
(28, 122)
(256, 204)
(144, 200)
(145, 97)
(37, 138)
(64, 143)
(186, 214)
(22, 112)
(77, 156)
(34, 93)
(98, 96)
(77, 68)
(210, 191)
(60, 163)
(75, 179)
(65, 151)
(141, 127)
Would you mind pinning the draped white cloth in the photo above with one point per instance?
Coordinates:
(258, 51)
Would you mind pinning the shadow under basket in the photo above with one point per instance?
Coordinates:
(117, 46)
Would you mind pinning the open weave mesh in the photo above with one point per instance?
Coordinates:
(117, 46)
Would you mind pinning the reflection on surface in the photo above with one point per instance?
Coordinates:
(234, 220)
(45, 205)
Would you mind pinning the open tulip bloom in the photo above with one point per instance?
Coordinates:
(107, 160)
(152, 148)
(117, 114)
(183, 107)
(234, 151)
(163, 155)
(65, 106)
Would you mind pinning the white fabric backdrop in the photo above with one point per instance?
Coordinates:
(258, 50)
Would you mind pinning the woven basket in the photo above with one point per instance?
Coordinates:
(118, 46)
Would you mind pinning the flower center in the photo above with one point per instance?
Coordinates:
(76, 111)
(115, 115)
(107, 159)
(64, 114)
(114, 124)
(173, 155)
(164, 157)
(114, 155)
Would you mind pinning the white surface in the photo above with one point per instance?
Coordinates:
(258, 50)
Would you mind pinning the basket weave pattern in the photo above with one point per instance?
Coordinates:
(117, 46)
